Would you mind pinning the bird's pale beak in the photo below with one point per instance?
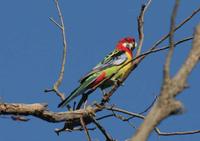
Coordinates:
(133, 46)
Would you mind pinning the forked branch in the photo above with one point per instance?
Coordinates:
(167, 104)
(61, 26)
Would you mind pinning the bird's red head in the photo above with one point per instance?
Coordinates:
(126, 44)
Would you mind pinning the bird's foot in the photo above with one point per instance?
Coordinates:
(85, 105)
(119, 82)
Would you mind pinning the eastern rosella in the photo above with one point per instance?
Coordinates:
(107, 72)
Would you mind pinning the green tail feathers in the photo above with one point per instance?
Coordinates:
(73, 95)
(78, 91)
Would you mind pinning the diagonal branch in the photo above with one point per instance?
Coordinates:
(57, 24)
(85, 129)
(167, 104)
(177, 27)
(108, 137)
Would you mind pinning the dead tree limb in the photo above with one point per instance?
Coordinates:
(141, 26)
(61, 75)
(40, 111)
(167, 104)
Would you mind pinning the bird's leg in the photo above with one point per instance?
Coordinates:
(103, 92)
(119, 82)
(69, 107)
(84, 98)
(84, 105)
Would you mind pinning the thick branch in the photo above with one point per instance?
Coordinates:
(40, 111)
(191, 61)
(74, 119)
(167, 104)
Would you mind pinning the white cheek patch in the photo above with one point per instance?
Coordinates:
(130, 45)
(125, 44)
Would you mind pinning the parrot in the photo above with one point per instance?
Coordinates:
(108, 72)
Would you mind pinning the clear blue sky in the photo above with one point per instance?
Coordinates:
(30, 57)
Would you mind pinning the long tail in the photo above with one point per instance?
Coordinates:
(78, 91)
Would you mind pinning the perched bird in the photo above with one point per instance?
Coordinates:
(108, 72)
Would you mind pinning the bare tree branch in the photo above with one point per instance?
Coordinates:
(171, 43)
(167, 104)
(73, 119)
(55, 23)
(108, 137)
(85, 129)
(141, 26)
(176, 133)
(153, 49)
(74, 129)
(58, 82)
(61, 75)
(40, 111)
(157, 130)
(177, 27)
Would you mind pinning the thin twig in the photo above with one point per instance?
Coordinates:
(139, 58)
(61, 75)
(163, 48)
(141, 26)
(177, 27)
(147, 109)
(157, 130)
(176, 133)
(108, 137)
(143, 55)
(111, 108)
(167, 105)
(55, 22)
(122, 118)
(171, 43)
(105, 116)
(85, 129)
(74, 129)
(58, 93)
(58, 82)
